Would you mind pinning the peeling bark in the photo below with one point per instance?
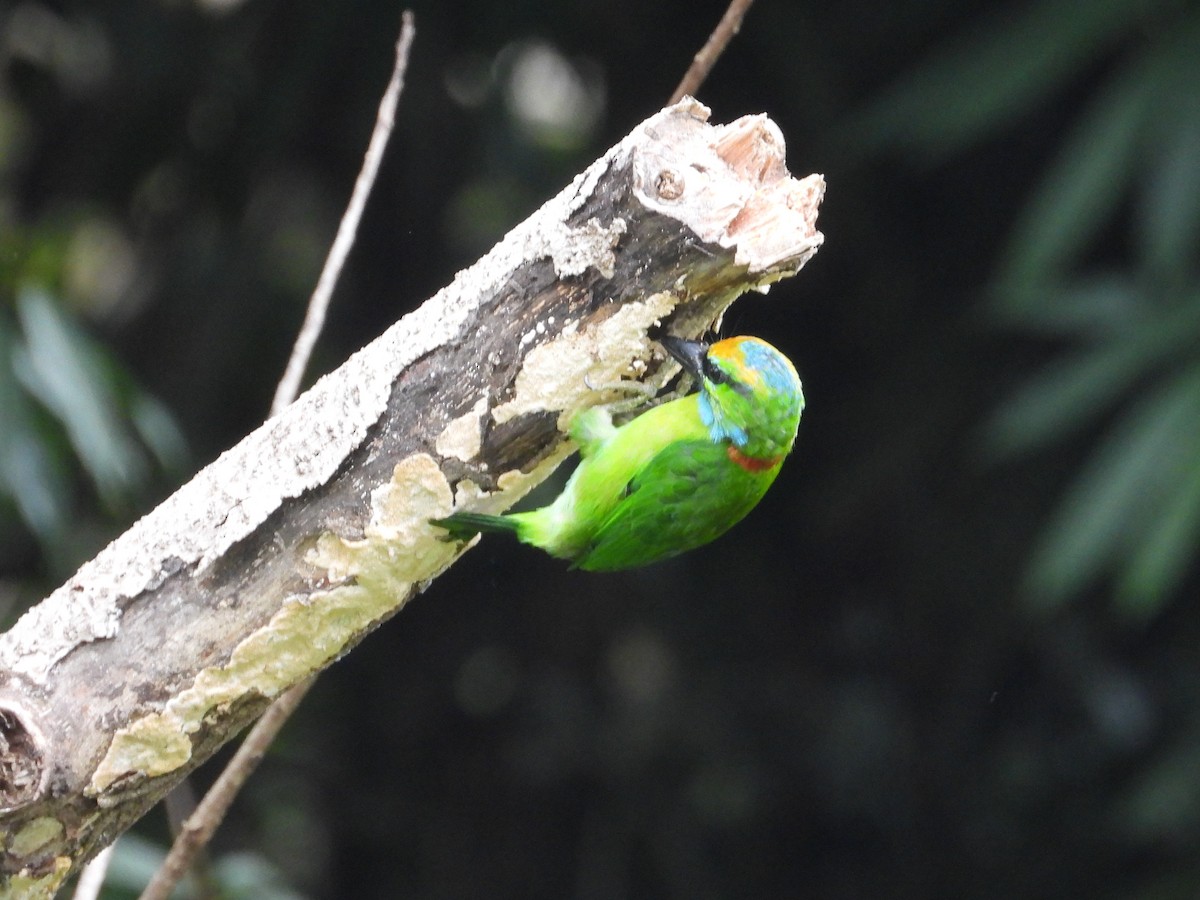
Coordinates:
(285, 552)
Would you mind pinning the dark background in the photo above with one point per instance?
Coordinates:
(952, 654)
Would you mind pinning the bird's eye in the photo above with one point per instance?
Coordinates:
(712, 372)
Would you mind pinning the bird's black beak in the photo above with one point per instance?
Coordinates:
(689, 354)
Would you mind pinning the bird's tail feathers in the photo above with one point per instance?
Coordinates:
(467, 524)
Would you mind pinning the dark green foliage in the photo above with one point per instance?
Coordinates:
(67, 409)
(1101, 263)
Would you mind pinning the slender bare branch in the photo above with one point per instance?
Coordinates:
(180, 806)
(197, 830)
(703, 61)
(314, 319)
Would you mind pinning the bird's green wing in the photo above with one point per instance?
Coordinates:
(685, 496)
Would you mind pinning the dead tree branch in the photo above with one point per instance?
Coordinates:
(706, 57)
(197, 829)
(284, 553)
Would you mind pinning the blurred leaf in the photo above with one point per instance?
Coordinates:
(1168, 547)
(37, 487)
(1088, 307)
(1169, 211)
(62, 370)
(1103, 157)
(1002, 70)
(56, 383)
(1084, 186)
(249, 876)
(1073, 391)
(156, 427)
(240, 875)
(134, 862)
(1164, 800)
(1119, 497)
(1131, 512)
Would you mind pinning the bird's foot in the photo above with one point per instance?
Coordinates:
(646, 394)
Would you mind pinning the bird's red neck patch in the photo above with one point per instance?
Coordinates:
(752, 463)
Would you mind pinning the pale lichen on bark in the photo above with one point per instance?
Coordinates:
(553, 371)
(463, 437)
(397, 552)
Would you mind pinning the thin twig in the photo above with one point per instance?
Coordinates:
(180, 805)
(314, 319)
(703, 61)
(202, 825)
(199, 828)
(92, 879)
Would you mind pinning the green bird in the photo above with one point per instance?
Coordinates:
(677, 476)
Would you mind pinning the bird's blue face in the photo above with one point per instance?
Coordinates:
(750, 395)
